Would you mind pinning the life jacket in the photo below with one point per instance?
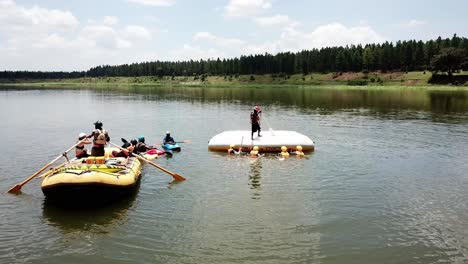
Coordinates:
(168, 140)
(100, 137)
(284, 153)
(141, 147)
(254, 118)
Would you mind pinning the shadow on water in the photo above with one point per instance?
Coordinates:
(90, 218)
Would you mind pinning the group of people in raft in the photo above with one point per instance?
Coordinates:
(255, 121)
(101, 138)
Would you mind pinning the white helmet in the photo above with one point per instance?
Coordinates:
(168, 132)
(82, 135)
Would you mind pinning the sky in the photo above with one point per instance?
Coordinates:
(57, 35)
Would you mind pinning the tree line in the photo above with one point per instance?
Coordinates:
(399, 56)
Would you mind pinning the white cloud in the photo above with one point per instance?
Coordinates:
(219, 41)
(37, 38)
(153, 2)
(334, 34)
(293, 39)
(363, 22)
(277, 20)
(110, 20)
(103, 36)
(188, 52)
(204, 35)
(416, 23)
(52, 41)
(15, 18)
(137, 33)
(240, 8)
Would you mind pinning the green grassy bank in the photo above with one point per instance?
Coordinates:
(330, 79)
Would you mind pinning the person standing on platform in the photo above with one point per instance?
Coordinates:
(255, 120)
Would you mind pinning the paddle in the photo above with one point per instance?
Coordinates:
(18, 187)
(176, 176)
(188, 141)
(268, 123)
(184, 141)
(240, 147)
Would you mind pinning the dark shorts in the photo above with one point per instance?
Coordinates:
(255, 128)
(97, 151)
(118, 154)
(83, 154)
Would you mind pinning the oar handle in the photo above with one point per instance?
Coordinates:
(18, 187)
(174, 175)
(240, 147)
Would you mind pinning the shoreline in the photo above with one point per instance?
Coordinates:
(316, 80)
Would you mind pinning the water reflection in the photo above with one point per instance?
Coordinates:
(448, 102)
(95, 219)
(381, 100)
(331, 98)
(255, 177)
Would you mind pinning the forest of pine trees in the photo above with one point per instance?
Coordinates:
(400, 56)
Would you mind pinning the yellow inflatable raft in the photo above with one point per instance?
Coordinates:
(92, 179)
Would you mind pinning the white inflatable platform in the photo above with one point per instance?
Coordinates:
(270, 141)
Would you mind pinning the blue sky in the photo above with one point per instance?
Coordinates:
(76, 35)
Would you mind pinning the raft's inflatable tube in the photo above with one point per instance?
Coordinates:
(79, 182)
(270, 141)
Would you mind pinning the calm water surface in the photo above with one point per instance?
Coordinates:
(388, 181)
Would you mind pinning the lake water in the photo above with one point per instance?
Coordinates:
(388, 182)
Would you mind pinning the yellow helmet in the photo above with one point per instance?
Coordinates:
(232, 145)
(284, 148)
(299, 148)
(255, 148)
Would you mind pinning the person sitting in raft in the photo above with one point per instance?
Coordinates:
(298, 152)
(128, 149)
(231, 149)
(100, 139)
(141, 146)
(284, 152)
(255, 120)
(168, 139)
(254, 153)
(80, 151)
